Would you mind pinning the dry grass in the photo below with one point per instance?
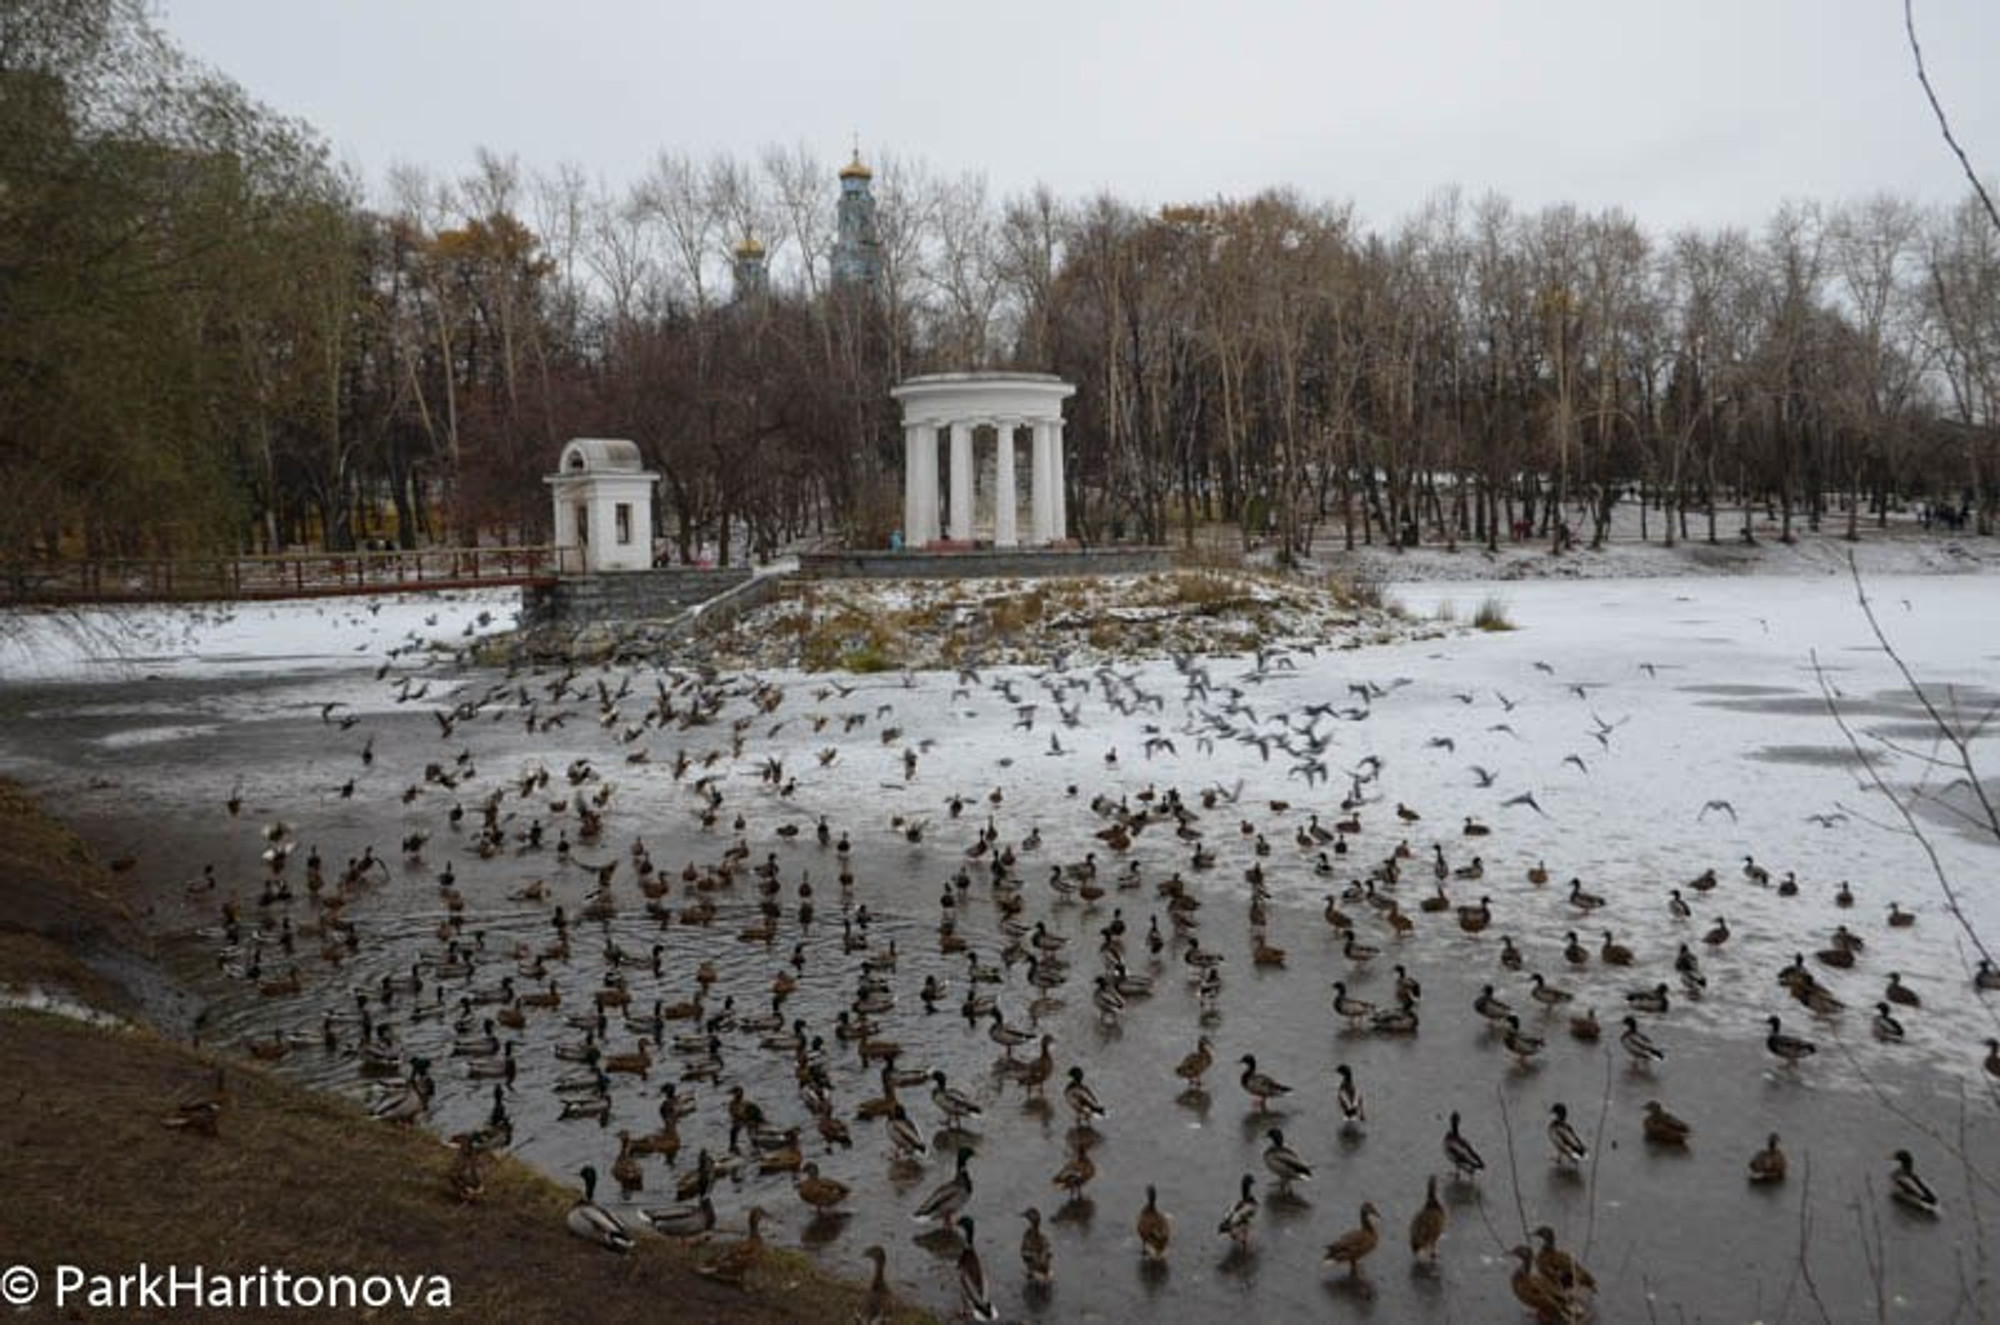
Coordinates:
(1491, 614)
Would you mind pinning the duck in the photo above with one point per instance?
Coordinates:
(689, 1220)
(906, 1139)
(1986, 978)
(821, 1193)
(1584, 1026)
(1663, 1128)
(734, 1262)
(626, 1170)
(1909, 1190)
(1037, 1256)
(592, 1222)
(1155, 1229)
(1899, 918)
(1519, 1042)
(1885, 1026)
(1427, 1226)
(950, 1197)
(1284, 1162)
(1538, 873)
(1993, 1058)
(1261, 1086)
(1573, 950)
(1791, 1048)
(1076, 1171)
(1348, 1096)
(1570, 1149)
(1614, 953)
(1638, 1046)
(1900, 993)
(955, 1104)
(1356, 1010)
(1558, 1266)
(1718, 933)
(974, 1299)
(1678, 908)
(1194, 1067)
(1542, 1297)
(1082, 1100)
(1548, 995)
(1353, 1246)
(1491, 1006)
(1583, 899)
(1238, 1218)
(1652, 1000)
(878, 1304)
(1510, 956)
(1767, 1166)
(1465, 1161)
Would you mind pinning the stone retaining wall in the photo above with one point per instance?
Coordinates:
(649, 595)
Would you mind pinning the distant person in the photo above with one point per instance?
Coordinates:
(895, 540)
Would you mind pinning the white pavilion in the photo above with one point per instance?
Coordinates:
(1004, 405)
(603, 496)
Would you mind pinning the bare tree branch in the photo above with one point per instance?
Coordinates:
(1944, 124)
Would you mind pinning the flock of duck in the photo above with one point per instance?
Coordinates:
(744, 1031)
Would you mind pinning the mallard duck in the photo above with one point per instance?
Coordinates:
(950, 1197)
(1284, 1162)
(1614, 953)
(1353, 1246)
(1548, 995)
(1993, 1058)
(1791, 1048)
(1677, 906)
(1427, 1226)
(1899, 918)
(1641, 1049)
(1356, 1010)
(1573, 950)
(1559, 1267)
(1261, 1086)
(1908, 1189)
(626, 1170)
(1652, 1000)
(1986, 978)
(1542, 1297)
(1037, 1256)
(1663, 1128)
(592, 1222)
(1155, 1229)
(1569, 1147)
(1510, 956)
(1465, 1161)
(1582, 899)
(1491, 1006)
(1718, 933)
(973, 1298)
(1348, 1096)
(1538, 873)
(1076, 1172)
(955, 1104)
(1584, 1026)
(1843, 896)
(1195, 1066)
(1399, 1020)
(1519, 1042)
(1082, 1100)
(1756, 873)
(1885, 1026)
(682, 1221)
(1900, 993)
(1236, 1220)
(1768, 1164)
(733, 1263)
(822, 1194)
(878, 1304)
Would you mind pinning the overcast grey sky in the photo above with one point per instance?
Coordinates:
(1703, 112)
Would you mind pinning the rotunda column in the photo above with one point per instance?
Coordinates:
(961, 481)
(1005, 533)
(1039, 523)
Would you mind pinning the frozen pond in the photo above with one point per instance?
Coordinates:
(1663, 728)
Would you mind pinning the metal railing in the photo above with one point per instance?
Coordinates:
(282, 575)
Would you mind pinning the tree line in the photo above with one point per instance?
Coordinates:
(212, 338)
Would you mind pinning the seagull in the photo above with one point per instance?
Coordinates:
(1826, 820)
(1484, 775)
(1721, 805)
(1526, 798)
